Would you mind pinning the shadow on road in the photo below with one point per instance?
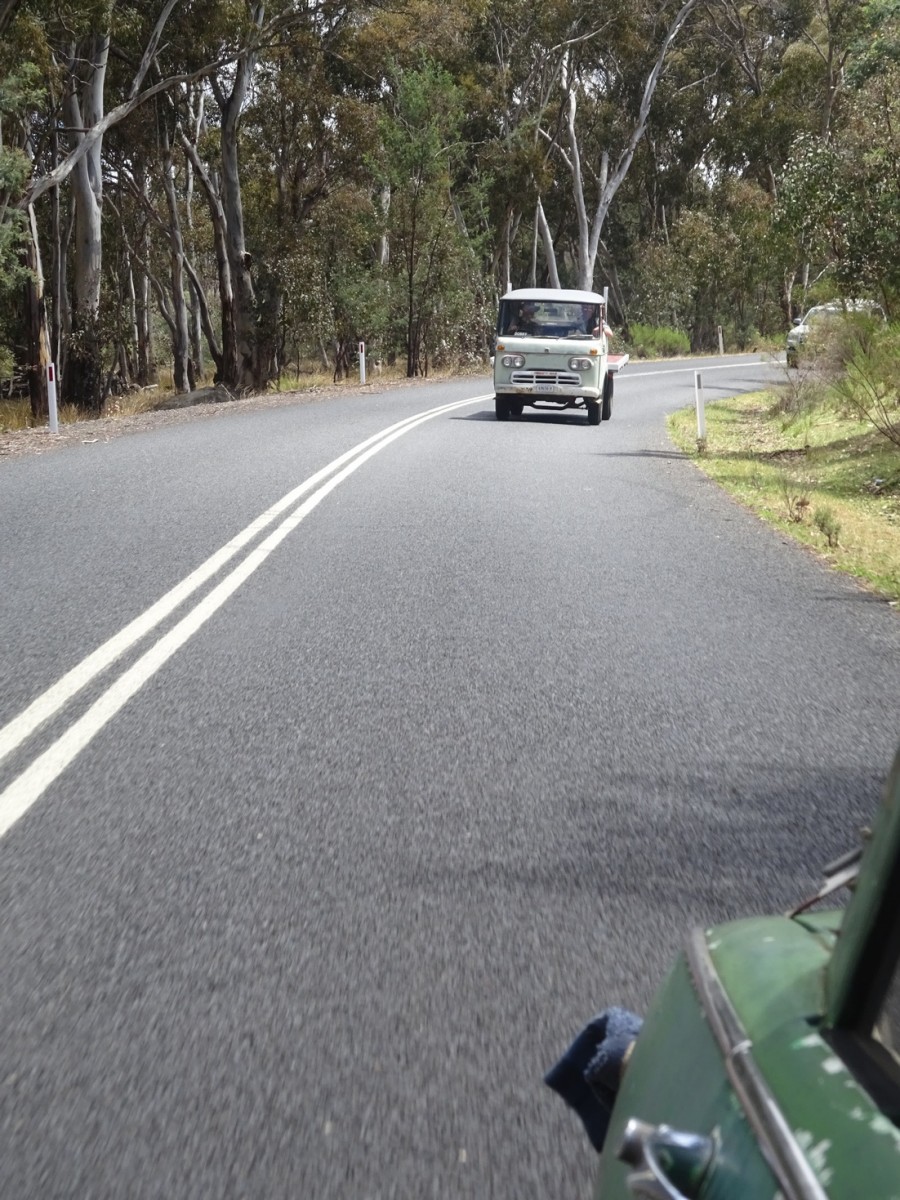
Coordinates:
(530, 418)
(646, 454)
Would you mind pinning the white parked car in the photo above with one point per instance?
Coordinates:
(553, 353)
(819, 316)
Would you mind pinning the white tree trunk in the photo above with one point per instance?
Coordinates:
(180, 338)
(83, 111)
(547, 239)
(590, 228)
(252, 371)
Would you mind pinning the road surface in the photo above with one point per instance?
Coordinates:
(347, 772)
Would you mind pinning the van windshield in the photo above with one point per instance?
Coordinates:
(548, 318)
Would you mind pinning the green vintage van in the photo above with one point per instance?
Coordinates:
(768, 1065)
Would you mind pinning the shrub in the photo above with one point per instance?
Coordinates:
(870, 384)
(796, 497)
(828, 524)
(658, 341)
(799, 393)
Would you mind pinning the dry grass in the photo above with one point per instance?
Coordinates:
(824, 478)
(16, 414)
(143, 412)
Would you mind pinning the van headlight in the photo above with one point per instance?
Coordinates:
(580, 364)
(513, 360)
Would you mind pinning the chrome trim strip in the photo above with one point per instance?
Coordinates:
(568, 378)
(787, 1161)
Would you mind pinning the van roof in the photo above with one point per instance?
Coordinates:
(560, 294)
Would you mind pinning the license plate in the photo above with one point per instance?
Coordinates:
(546, 387)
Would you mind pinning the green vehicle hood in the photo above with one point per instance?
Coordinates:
(774, 971)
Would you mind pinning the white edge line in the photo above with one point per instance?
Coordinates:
(45, 706)
(757, 362)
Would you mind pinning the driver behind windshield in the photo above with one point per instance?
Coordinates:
(521, 320)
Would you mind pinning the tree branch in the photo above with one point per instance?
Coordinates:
(151, 48)
(59, 174)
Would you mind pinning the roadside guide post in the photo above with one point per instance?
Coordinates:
(51, 397)
(721, 341)
(362, 362)
(701, 412)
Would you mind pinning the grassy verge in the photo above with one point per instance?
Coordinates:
(824, 478)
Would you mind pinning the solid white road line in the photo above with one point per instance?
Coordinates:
(757, 362)
(19, 796)
(50, 702)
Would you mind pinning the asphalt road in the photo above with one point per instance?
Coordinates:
(306, 883)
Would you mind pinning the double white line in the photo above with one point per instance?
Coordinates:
(22, 793)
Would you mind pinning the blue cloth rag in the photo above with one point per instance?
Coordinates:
(587, 1076)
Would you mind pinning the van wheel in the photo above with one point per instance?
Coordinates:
(606, 411)
(501, 408)
(593, 412)
(516, 408)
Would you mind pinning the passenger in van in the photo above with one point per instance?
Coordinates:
(594, 323)
(522, 320)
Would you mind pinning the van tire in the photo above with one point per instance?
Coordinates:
(593, 412)
(606, 410)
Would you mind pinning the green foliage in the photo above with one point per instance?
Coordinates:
(827, 523)
(657, 341)
(870, 383)
(839, 199)
(714, 268)
(426, 130)
(13, 241)
(432, 262)
(877, 48)
(21, 90)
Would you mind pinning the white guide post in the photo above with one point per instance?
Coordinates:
(721, 341)
(362, 362)
(51, 397)
(701, 411)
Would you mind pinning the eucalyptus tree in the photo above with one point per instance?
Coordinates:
(20, 265)
(421, 148)
(306, 138)
(129, 199)
(101, 61)
(81, 41)
(783, 77)
(839, 202)
(572, 88)
(248, 293)
(523, 48)
(593, 79)
(87, 52)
